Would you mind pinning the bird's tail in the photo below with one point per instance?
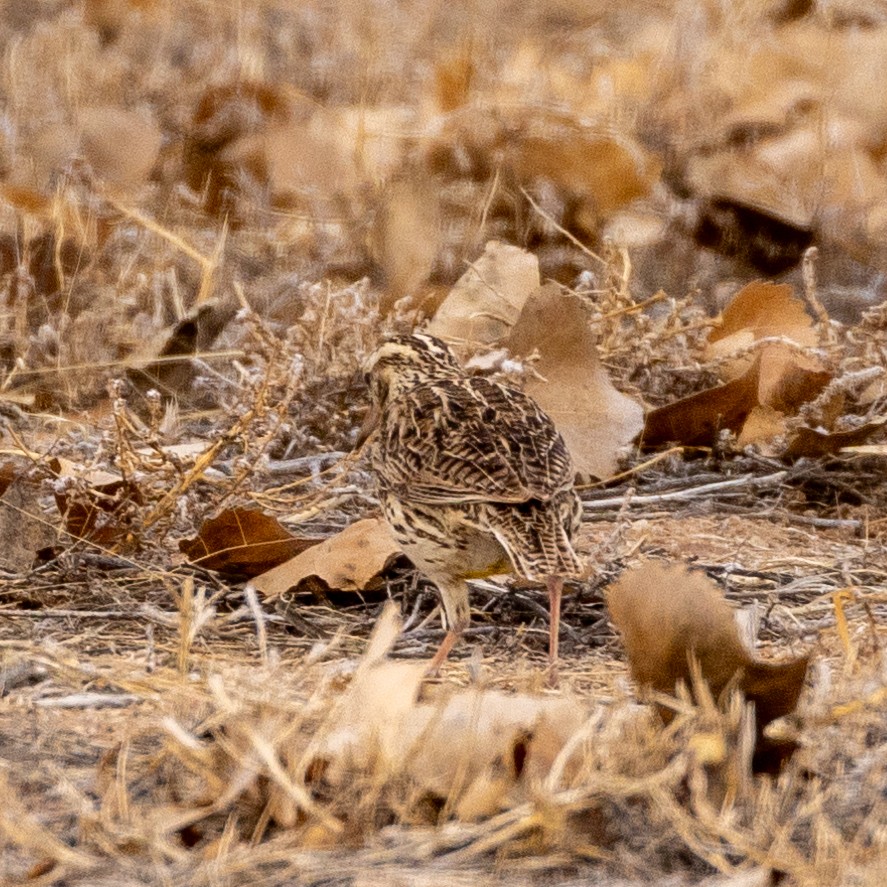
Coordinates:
(537, 541)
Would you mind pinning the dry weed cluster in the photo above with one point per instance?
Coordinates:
(665, 220)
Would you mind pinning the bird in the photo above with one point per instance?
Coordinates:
(473, 479)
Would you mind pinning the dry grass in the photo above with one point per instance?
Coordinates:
(156, 726)
(132, 734)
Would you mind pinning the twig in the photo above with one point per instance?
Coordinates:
(634, 470)
(561, 230)
(255, 608)
(90, 700)
(808, 269)
(748, 480)
(297, 466)
(824, 523)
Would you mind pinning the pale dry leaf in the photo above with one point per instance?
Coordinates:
(319, 155)
(370, 724)
(349, 561)
(121, 146)
(23, 528)
(488, 298)
(306, 165)
(602, 172)
(626, 81)
(633, 229)
(367, 726)
(98, 478)
(184, 453)
(724, 176)
(873, 391)
(462, 737)
(385, 633)
(407, 237)
(470, 747)
(759, 310)
(818, 172)
(866, 450)
(762, 425)
(50, 150)
(595, 419)
(375, 136)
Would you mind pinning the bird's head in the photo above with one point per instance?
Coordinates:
(402, 362)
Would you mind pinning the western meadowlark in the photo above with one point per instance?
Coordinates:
(473, 478)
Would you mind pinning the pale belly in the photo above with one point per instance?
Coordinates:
(440, 544)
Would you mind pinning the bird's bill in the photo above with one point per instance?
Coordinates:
(370, 424)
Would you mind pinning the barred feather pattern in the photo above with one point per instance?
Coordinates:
(473, 477)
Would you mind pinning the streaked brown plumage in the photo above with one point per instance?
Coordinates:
(473, 477)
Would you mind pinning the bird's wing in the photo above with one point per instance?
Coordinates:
(472, 440)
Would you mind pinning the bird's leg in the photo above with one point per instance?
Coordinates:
(454, 597)
(555, 587)
(442, 652)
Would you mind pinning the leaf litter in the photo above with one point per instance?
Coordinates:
(198, 248)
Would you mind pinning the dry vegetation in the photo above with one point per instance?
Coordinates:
(209, 214)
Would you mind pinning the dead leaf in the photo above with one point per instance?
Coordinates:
(93, 502)
(470, 747)
(604, 173)
(765, 309)
(774, 379)
(595, 419)
(121, 146)
(768, 240)
(407, 237)
(488, 298)
(779, 379)
(243, 542)
(479, 744)
(759, 310)
(867, 450)
(634, 228)
(267, 141)
(23, 529)
(306, 163)
(698, 419)
(453, 76)
(873, 391)
(110, 17)
(223, 145)
(26, 200)
(185, 453)
(350, 561)
(667, 614)
(787, 380)
(815, 442)
(763, 425)
(154, 368)
(51, 264)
